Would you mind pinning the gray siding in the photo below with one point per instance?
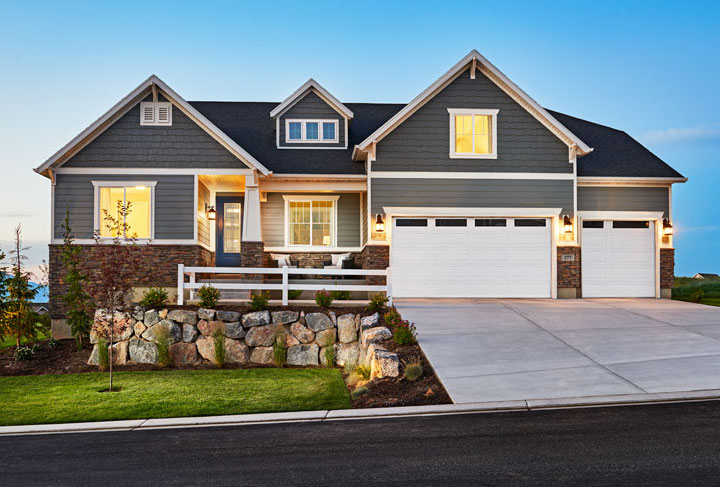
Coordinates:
(348, 214)
(599, 198)
(126, 143)
(309, 107)
(421, 143)
(472, 193)
(174, 201)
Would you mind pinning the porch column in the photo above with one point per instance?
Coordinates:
(251, 247)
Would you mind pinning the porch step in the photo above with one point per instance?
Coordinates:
(229, 294)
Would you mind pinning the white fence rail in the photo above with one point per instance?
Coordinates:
(285, 285)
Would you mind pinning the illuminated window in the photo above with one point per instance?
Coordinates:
(473, 133)
(137, 220)
(311, 131)
(231, 229)
(311, 222)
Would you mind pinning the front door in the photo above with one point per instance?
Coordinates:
(228, 231)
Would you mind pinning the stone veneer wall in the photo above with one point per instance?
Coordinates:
(159, 267)
(667, 270)
(375, 257)
(569, 278)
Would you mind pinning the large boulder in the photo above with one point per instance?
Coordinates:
(119, 351)
(171, 329)
(318, 321)
(258, 318)
(375, 335)
(183, 353)
(326, 357)
(326, 337)
(236, 352)
(184, 316)
(289, 339)
(369, 321)
(122, 329)
(138, 313)
(139, 328)
(234, 330)
(206, 314)
(347, 332)
(206, 348)
(151, 317)
(189, 333)
(208, 328)
(284, 317)
(302, 333)
(384, 364)
(261, 336)
(262, 355)
(227, 315)
(142, 352)
(367, 354)
(347, 354)
(303, 355)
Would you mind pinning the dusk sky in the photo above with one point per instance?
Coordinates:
(650, 68)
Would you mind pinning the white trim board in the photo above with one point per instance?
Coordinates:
(140, 241)
(453, 112)
(157, 171)
(122, 184)
(620, 215)
(318, 89)
(287, 198)
(303, 130)
(470, 175)
(395, 211)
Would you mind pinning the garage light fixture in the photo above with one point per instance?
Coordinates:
(667, 227)
(567, 224)
(210, 212)
(379, 224)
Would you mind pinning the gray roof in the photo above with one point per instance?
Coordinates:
(248, 123)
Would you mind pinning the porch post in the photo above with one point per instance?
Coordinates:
(251, 247)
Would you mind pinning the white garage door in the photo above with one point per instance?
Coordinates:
(618, 259)
(471, 257)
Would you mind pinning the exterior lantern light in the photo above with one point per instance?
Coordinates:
(667, 227)
(379, 224)
(210, 212)
(567, 224)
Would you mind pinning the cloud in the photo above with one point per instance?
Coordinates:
(686, 134)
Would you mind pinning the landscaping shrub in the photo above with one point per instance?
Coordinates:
(323, 298)
(52, 343)
(358, 392)
(412, 369)
(219, 348)
(392, 318)
(404, 333)
(352, 379)
(294, 293)
(259, 302)
(363, 371)
(341, 295)
(209, 296)
(103, 357)
(377, 302)
(330, 352)
(162, 338)
(154, 297)
(279, 351)
(23, 353)
(36, 347)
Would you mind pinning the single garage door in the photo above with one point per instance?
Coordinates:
(471, 257)
(618, 259)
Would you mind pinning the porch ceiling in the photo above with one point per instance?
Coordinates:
(223, 182)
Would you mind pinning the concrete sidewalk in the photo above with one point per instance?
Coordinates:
(527, 349)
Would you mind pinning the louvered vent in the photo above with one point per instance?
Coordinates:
(163, 114)
(155, 113)
(148, 113)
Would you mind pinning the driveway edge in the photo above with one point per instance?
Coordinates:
(370, 413)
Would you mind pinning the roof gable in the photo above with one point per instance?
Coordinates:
(311, 86)
(475, 61)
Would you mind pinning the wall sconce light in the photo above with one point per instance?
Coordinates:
(567, 224)
(210, 212)
(667, 227)
(379, 224)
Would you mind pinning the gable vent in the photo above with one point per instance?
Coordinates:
(155, 113)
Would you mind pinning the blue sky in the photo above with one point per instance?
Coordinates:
(647, 67)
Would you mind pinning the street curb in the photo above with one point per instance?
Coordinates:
(370, 413)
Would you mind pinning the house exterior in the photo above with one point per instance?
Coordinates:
(470, 190)
(706, 275)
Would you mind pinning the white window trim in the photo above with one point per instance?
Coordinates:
(123, 184)
(294, 198)
(303, 139)
(156, 107)
(472, 111)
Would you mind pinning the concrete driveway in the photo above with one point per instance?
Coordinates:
(508, 349)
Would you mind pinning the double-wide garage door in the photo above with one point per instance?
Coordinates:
(471, 257)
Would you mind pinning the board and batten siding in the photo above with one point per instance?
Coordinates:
(348, 220)
(472, 193)
(204, 224)
(174, 204)
(422, 142)
(311, 106)
(126, 143)
(625, 198)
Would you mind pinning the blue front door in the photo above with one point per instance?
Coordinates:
(228, 231)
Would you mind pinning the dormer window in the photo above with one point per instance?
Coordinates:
(156, 113)
(473, 133)
(311, 131)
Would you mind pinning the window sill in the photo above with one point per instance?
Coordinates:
(472, 156)
(312, 248)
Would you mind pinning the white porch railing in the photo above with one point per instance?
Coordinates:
(283, 286)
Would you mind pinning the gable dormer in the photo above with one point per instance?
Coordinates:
(311, 118)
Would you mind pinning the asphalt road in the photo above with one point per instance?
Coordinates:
(676, 444)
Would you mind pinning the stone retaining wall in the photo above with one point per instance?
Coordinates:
(248, 338)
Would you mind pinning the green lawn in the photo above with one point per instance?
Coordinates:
(75, 397)
(10, 341)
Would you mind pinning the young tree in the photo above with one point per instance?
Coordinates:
(76, 298)
(117, 263)
(18, 317)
